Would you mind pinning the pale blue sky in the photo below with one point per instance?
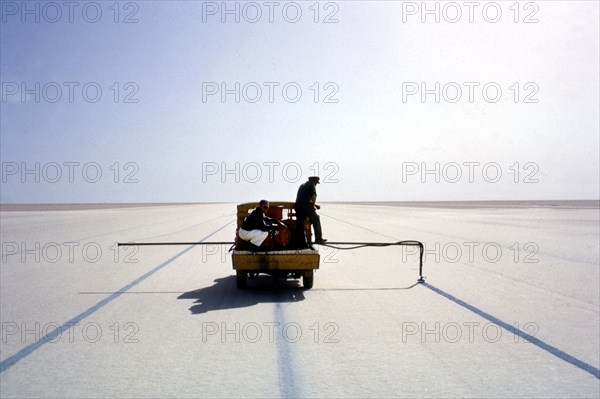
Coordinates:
(367, 138)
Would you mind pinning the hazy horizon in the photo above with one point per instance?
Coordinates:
(491, 204)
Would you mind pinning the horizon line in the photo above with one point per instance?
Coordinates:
(41, 206)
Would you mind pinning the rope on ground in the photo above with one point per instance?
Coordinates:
(356, 245)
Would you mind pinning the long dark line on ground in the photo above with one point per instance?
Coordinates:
(289, 386)
(29, 349)
(562, 355)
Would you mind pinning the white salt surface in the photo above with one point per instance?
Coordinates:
(510, 308)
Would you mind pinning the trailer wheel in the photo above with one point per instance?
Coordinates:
(308, 279)
(241, 279)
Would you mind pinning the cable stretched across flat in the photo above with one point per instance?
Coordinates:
(341, 245)
(335, 244)
(354, 245)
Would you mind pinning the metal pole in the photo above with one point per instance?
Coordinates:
(139, 244)
(366, 244)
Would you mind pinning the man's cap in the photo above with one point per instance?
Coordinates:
(315, 179)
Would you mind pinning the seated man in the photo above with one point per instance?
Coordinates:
(256, 225)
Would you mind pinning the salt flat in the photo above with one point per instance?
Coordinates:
(510, 307)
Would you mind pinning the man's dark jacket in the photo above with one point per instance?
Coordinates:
(257, 221)
(303, 199)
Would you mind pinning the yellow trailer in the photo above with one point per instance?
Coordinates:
(282, 257)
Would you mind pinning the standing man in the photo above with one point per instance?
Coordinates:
(305, 206)
(256, 225)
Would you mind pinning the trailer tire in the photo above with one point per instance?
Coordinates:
(241, 279)
(308, 279)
